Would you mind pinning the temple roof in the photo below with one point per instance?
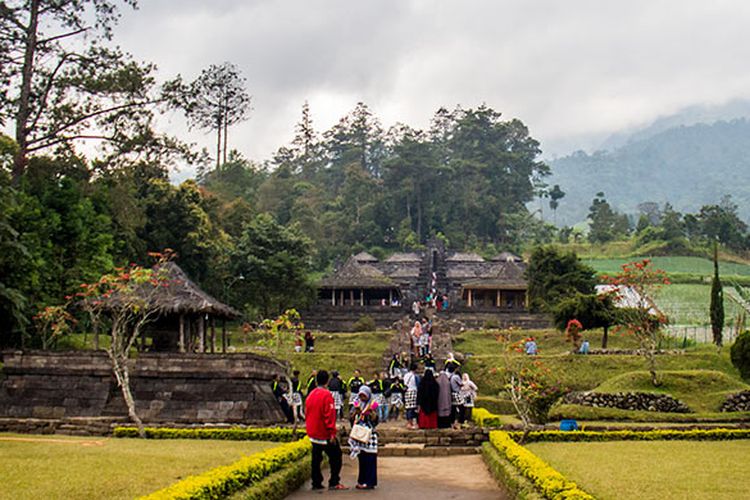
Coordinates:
(356, 274)
(365, 257)
(404, 257)
(506, 257)
(507, 275)
(465, 257)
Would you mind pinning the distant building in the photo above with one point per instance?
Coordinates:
(363, 284)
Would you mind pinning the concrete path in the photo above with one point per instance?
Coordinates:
(463, 477)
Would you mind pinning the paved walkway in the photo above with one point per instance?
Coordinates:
(463, 477)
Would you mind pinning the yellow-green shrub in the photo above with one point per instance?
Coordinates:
(628, 435)
(280, 434)
(483, 418)
(223, 481)
(547, 480)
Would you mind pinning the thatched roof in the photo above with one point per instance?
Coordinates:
(465, 257)
(404, 257)
(506, 257)
(503, 275)
(178, 294)
(355, 274)
(365, 257)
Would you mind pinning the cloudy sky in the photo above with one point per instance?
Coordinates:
(575, 71)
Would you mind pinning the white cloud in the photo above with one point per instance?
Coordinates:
(574, 71)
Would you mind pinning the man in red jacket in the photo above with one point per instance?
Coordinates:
(320, 420)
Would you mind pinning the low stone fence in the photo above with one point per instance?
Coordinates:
(737, 402)
(167, 387)
(642, 401)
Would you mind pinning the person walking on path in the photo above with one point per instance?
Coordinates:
(427, 399)
(444, 405)
(366, 414)
(297, 395)
(323, 434)
(469, 393)
(410, 397)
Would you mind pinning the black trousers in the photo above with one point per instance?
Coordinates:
(333, 450)
(368, 469)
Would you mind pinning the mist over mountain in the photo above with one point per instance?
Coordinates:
(673, 160)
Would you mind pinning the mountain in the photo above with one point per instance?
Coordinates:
(686, 165)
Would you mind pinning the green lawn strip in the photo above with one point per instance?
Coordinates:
(654, 469)
(36, 467)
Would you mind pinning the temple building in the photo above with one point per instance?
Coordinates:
(385, 289)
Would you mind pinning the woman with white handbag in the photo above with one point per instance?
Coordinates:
(363, 439)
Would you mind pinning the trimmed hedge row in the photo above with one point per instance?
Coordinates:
(275, 434)
(551, 484)
(280, 484)
(627, 435)
(223, 481)
(507, 475)
(483, 418)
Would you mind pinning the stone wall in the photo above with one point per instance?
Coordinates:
(166, 386)
(737, 402)
(643, 401)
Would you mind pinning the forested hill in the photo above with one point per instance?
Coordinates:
(688, 166)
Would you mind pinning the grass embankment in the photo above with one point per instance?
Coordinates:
(702, 391)
(338, 351)
(36, 467)
(654, 469)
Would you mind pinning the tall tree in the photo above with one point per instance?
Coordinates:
(604, 223)
(554, 275)
(214, 101)
(60, 83)
(717, 301)
(555, 195)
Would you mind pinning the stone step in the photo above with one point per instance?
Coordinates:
(401, 450)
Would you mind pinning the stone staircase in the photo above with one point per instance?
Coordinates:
(442, 343)
(395, 441)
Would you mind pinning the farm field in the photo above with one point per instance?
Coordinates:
(654, 469)
(37, 467)
(689, 265)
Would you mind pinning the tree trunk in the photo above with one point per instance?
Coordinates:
(605, 337)
(218, 144)
(121, 371)
(226, 133)
(20, 159)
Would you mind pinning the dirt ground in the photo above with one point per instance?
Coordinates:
(462, 477)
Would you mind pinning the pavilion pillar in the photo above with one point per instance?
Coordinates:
(223, 336)
(213, 335)
(341, 299)
(333, 296)
(361, 297)
(390, 296)
(470, 298)
(182, 333)
(351, 297)
(498, 298)
(201, 335)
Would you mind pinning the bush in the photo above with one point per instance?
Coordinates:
(507, 476)
(484, 418)
(547, 480)
(364, 324)
(276, 434)
(740, 354)
(491, 324)
(627, 435)
(280, 484)
(223, 481)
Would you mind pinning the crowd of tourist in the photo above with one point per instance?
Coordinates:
(430, 400)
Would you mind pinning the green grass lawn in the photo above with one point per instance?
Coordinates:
(654, 469)
(50, 467)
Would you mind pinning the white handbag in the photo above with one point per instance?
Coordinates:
(361, 433)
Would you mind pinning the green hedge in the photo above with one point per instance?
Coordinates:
(275, 434)
(628, 435)
(580, 412)
(223, 481)
(550, 483)
(484, 418)
(507, 476)
(280, 484)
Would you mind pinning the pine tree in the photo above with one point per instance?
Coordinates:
(717, 301)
